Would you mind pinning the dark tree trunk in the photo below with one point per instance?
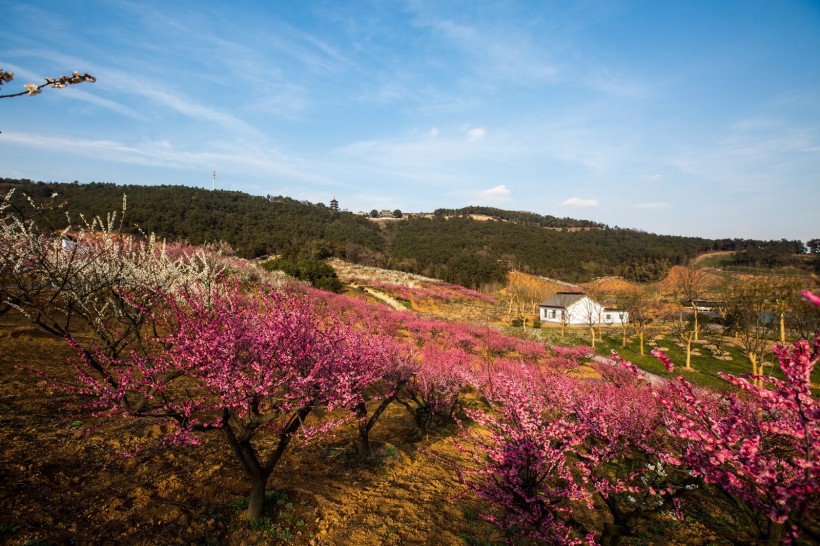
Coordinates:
(363, 444)
(772, 535)
(423, 418)
(254, 469)
(623, 524)
(364, 448)
(256, 502)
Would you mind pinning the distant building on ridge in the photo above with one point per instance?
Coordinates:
(334, 205)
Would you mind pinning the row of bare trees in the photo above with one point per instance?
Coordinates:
(754, 312)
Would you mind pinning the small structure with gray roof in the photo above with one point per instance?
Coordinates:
(576, 308)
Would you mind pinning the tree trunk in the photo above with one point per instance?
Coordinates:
(592, 335)
(695, 311)
(621, 526)
(640, 337)
(689, 354)
(423, 416)
(782, 327)
(611, 535)
(773, 534)
(256, 502)
(363, 444)
(255, 471)
(365, 424)
(753, 360)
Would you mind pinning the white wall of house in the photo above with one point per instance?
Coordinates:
(614, 317)
(583, 313)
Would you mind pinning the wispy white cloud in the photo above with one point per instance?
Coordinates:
(161, 95)
(578, 202)
(751, 155)
(613, 84)
(163, 154)
(498, 53)
(497, 194)
(476, 133)
(85, 96)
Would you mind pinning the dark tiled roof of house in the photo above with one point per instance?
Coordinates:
(562, 299)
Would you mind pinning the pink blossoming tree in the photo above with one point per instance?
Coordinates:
(523, 464)
(432, 394)
(243, 366)
(760, 446)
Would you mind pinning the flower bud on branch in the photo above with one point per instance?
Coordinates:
(32, 89)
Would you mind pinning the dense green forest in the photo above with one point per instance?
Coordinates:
(254, 226)
(450, 246)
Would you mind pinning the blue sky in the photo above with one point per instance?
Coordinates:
(687, 118)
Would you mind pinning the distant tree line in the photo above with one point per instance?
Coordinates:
(772, 254)
(254, 226)
(520, 217)
(450, 246)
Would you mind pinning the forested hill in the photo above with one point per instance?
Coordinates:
(450, 246)
(253, 225)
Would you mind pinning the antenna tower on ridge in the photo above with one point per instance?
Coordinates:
(213, 179)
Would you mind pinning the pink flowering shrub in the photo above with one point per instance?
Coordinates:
(524, 465)
(567, 359)
(613, 460)
(432, 394)
(432, 292)
(624, 453)
(760, 446)
(246, 366)
(393, 365)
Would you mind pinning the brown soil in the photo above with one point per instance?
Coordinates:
(60, 484)
(611, 285)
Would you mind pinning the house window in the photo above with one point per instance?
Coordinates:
(609, 316)
(552, 313)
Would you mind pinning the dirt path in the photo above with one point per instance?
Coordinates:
(381, 296)
(697, 259)
(654, 379)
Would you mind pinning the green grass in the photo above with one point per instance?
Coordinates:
(705, 366)
(8, 529)
(719, 261)
(279, 516)
(552, 336)
(764, 271)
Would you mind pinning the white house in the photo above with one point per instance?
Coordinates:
(575, 308)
